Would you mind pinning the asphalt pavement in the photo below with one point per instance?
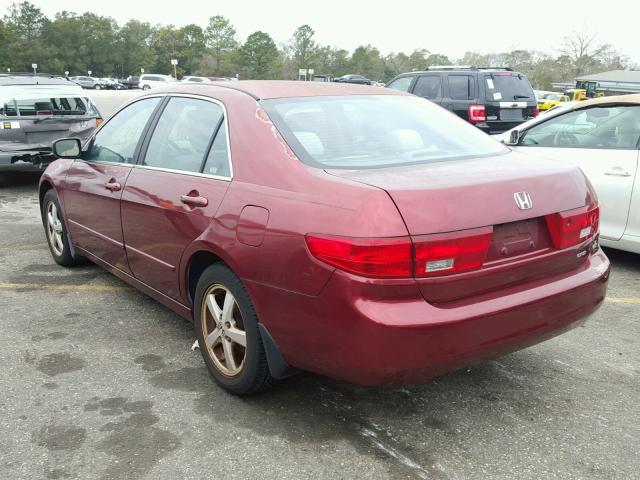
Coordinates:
(98, 381)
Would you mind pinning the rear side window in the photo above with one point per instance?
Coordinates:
(462, 87)
(401, 84)
(429, 86)
(66, 106)
(508, 87)
(218, 162)
(183, 135)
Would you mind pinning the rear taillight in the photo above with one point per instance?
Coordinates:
(572, 227)
(398, 257)
(536, 111)
(370, 257)
(454, 252)
(477, 113)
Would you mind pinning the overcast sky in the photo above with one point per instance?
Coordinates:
(451, 27)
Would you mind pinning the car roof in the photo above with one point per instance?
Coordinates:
(267, 89)
(32, 80)
(631, 99)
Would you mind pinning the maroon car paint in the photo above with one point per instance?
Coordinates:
(364, 330)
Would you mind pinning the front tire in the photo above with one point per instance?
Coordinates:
(226, 326)
(56, 231)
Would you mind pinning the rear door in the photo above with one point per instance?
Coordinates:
(93, 185)
(429, 86)
(172, 195)
(603, 142)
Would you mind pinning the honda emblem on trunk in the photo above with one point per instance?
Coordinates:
(523, 200)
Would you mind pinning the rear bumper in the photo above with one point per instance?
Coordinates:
(7, 164)
(352, 332)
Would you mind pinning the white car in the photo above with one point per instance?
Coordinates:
(602, 137)
(148, 81)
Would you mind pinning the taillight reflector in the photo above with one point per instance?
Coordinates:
(449, 253)
(572, 227)
(370, 257)
(420, 256)
(476, 113)
(536, 111)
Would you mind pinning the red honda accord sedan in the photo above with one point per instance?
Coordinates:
(360, 233)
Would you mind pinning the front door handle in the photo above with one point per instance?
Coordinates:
(194, 199)
(617, 173)
(113, 185)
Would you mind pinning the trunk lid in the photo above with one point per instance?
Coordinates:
(451, 196)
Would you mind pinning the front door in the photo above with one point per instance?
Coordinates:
(603, 142)
(174, 192)
(95, 183)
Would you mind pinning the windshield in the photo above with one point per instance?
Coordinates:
(368, 131)
(48, 106)
(508, 87)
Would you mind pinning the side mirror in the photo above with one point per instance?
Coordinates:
(67, 148)
(514, 138)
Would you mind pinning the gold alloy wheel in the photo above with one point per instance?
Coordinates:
(223, 330)
(54, 229)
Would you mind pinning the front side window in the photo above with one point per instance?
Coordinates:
(117, 140)
(596, 127)
(183, 135)
(370, 131)
(401, 84)
(428, 86)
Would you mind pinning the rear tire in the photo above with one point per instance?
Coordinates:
(56, 230)
(224, 318)
(146, 87)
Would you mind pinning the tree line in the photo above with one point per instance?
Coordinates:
(79, 43)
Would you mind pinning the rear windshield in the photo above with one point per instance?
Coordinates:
(508, 87)
(48, 106)
(369, 131)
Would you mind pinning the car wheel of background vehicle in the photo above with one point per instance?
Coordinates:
(98, 87)
(56, 231)
(226, 326)
(146, 87)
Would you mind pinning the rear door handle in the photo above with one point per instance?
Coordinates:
(194, 200)
(617, 173)
(113, 185)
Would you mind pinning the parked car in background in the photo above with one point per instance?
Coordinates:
(357, 79)
(130, 82)
(547, 100)
(388, 243)
(493, 99)
(112, 84)
(89, 82)
(152, 81)
(34, 111)
(195, 79)
(602, 137)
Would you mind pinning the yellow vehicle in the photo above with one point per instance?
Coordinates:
(551, 99)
